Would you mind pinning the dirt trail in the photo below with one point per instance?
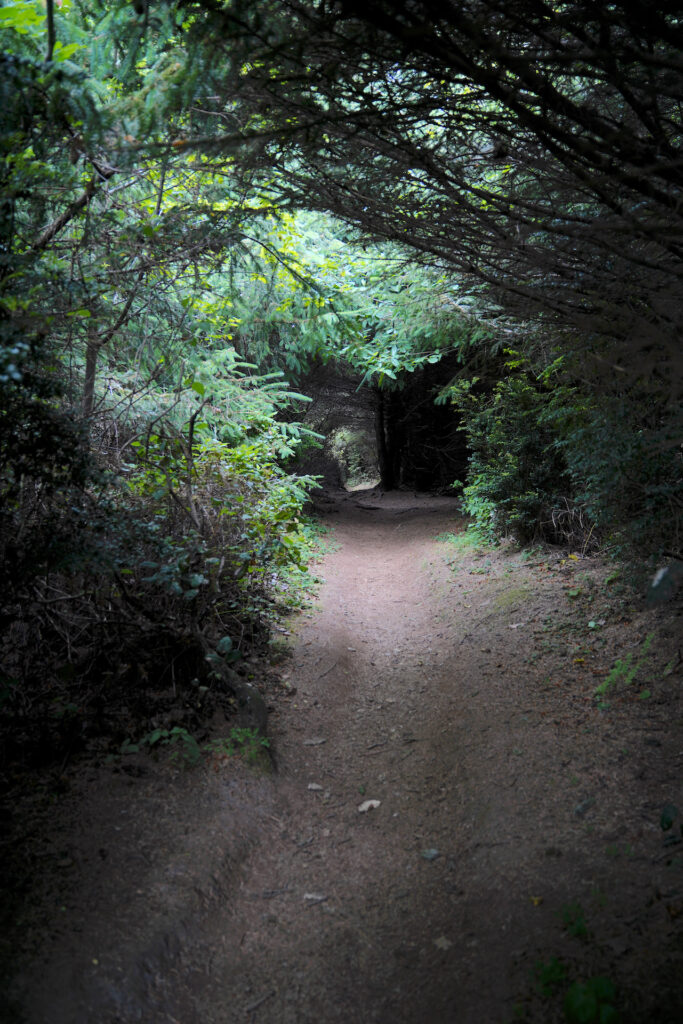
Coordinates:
(507, 804)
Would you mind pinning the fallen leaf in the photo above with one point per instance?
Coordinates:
(315, 786)
(442, 942)
(315, 741)
(368, 805)
(536, 900)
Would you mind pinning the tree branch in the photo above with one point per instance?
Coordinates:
(46, 236)
(51, 36)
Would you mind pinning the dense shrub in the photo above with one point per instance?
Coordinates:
(625, 466)
(573, 464)
(517, 472)
(117, 584)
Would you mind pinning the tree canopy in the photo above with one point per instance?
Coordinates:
(533, 149)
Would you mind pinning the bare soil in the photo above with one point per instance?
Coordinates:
(516, 848)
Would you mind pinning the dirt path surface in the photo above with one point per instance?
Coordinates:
(517, 828)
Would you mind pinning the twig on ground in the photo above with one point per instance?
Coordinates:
(252, 1007)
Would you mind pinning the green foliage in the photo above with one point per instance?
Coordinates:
(356, 456)
(550, 976)
(624, 671)
(591, 1002)
(574, 465)
(311, 291)
(175, 737)
(242, 741)
(574, 920)
(516, 471)
(145, 509)
(470, 540)
(297, 581)
(154, 290)
(620, 453)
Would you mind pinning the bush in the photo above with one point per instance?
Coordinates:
(573, 465)
(626, 468)
(517, 472)
(135, 575)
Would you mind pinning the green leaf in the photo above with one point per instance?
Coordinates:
(224, 645)
(64, 52)
(604, 989)
(198, 387)
(581, 1005)
(22, 17)
(156, 735)
(668, 816)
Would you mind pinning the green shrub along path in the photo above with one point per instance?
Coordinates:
(461, 822)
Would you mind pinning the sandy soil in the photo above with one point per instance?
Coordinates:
(516, 848)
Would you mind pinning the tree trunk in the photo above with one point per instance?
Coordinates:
(91, 353)
(384, 460)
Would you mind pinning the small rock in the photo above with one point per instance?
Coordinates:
(368, 805)
(315, 897)
(430, 854)
(314, 741)
(314, 786)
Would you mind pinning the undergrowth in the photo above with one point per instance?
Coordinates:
(297, 582)
(119, 583)
(243, 742)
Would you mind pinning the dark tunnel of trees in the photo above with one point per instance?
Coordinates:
(472, 210)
